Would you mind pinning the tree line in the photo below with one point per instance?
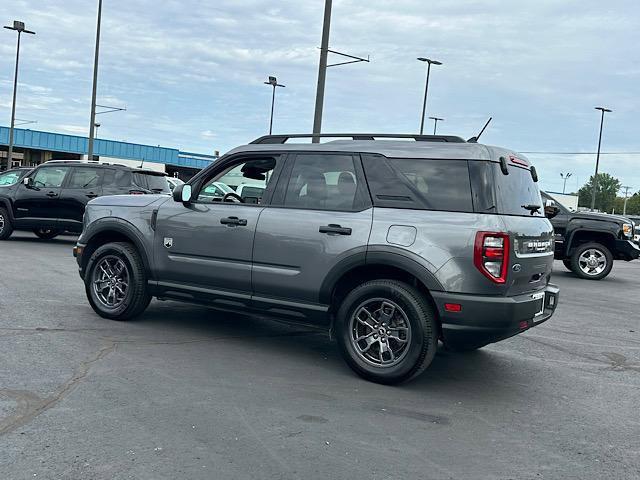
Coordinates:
(607, 198)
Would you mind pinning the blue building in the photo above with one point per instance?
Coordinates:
(32, 147)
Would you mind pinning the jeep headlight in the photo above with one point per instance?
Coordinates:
(627, 230)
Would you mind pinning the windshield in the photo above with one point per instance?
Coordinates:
(517, 193)
(10, 177)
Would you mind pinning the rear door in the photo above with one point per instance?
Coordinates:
(84, 184)
(319, 217)
(39, 205)
(532, 241)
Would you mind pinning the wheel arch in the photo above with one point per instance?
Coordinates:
(108, 231)
(581, 236)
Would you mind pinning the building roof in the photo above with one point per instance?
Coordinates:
(58, 142)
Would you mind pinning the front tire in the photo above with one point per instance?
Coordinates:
(592, 261)
(46, 233)
(6, 229)
(567, 264)
(386, 331)
(116, 282)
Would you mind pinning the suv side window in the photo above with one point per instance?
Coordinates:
(323, 182)
(85, 177)
(256, 173)
(419, 184)
(50, 177)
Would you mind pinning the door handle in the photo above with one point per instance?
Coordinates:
(92, 195)
(234, 221)
(52, 194)
(332, 228)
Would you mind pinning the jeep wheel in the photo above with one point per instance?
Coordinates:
(567, 263)
(591, 261)
(46, 233)
(386, 331)
(6, 229)
(116, 282)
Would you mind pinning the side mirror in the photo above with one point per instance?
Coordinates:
(28, 182)
(551, 209)
(182, 193)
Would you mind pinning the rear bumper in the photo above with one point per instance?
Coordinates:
(627, 250)
(483, 320)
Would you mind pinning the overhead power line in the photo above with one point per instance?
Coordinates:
(584, 153)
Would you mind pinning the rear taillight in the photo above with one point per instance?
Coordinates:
(491, 255)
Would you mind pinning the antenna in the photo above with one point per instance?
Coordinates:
(475, 139)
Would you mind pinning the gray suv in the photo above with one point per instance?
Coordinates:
(392, 245)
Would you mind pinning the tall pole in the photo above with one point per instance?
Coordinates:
(322, 72)
(426, 89)
(626, 197)
(13, 105)
(595, 178)
(95, 85)
(435, 123)
(565, 177)
(273, 99)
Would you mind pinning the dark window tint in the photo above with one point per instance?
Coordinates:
(516, 190)
(85, 178)
(419, 184)
(123, 178)
(50, 177)
(155, 183)
(322, 182)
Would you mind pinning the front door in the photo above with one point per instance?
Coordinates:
(321, 216)
(84, 184)
(38, 204)
(206, 245)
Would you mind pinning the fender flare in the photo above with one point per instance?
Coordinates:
(109, 224)
(569, 243)
(6, 203)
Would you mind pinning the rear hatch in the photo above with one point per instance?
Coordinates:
(519, 203)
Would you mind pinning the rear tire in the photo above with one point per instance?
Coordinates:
(116, 282)
(46, 233)
(6, 229)
(592, 261)
(386, 331)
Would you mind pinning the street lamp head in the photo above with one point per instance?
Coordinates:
(429, 61)
(437, 118)
(273, 81)
(19, 27)
(603, 109)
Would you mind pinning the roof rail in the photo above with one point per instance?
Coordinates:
(279, 139)
(72, 161)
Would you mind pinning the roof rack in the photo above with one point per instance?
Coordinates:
(279, 139)
(72, 161)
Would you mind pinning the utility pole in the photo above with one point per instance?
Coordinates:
(18, 27)
(426, 89)
(595, 178)
(92, 124)
(322, 71)
(626, 197)
(565, 177)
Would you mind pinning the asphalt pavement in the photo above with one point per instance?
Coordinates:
(186, 392)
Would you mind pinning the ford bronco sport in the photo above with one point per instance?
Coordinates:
(392, 245)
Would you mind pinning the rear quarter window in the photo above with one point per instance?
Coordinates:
(419, 183)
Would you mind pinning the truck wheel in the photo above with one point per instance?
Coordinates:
(116, 282)
(46, 233)
(592, 261)
(6, 229)
(386, 331)
(567, 264)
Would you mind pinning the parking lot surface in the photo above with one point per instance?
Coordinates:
(188, 392)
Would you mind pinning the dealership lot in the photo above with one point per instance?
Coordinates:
(187, 392)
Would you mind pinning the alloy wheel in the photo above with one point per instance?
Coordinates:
(111, 281)
(592, 262)
(380, 332)
(2, 222)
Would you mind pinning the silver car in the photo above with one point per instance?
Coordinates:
(391, 245)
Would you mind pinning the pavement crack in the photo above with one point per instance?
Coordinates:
(29, 405)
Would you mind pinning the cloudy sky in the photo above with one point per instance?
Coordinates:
(190, 72)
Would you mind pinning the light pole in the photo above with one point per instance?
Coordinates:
(565, 177)
(18, 27)
(626, 197)
(595, 178)
(97, 126)
(322, 71)
(273, 81)
(426, 88)
(435, 123)
(95, 85)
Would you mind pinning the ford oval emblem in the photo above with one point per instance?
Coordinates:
(516, 267)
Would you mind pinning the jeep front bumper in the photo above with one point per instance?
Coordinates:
(484, 319)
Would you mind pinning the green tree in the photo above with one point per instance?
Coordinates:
(633, 204)
(606, 192)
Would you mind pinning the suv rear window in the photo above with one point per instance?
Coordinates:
(155, 183)
(515, 190)
(419, 184)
